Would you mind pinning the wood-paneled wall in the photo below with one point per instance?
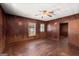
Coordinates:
(2, 30)
(73, 29)
(20, 33)
(74, 32)
(16, 32)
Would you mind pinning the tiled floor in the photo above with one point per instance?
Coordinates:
(41, 47)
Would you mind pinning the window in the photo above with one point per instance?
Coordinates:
(42, 27)
(31, 29)
(49, 28)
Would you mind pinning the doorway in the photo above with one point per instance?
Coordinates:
(63, 38)
(63, 30)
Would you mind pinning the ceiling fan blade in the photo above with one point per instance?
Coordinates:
(51, 12)
(44, 10)
(50, 15)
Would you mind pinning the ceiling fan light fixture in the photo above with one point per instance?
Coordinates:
(46, 13)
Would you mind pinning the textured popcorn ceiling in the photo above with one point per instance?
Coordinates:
(30, 10)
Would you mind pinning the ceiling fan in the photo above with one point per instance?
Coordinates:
(46, 13)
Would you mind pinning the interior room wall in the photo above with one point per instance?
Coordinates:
(16, 32)
(73, 29)
(2, 30)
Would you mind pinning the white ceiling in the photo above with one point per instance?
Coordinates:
(30, 10)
